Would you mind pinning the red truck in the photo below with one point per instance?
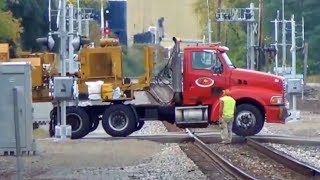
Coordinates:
(199, 74)
(260, 97)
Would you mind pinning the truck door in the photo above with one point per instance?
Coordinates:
(204, 77)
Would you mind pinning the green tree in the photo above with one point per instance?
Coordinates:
(33, 14)
(10, 27)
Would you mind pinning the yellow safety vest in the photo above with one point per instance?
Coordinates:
(228, 108)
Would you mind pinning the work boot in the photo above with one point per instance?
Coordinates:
(225, 142)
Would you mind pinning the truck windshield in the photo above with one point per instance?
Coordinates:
(227, 59)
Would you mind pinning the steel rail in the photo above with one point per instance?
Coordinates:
(173, 137)
(280, 157)
(289, 140)
(218, 159)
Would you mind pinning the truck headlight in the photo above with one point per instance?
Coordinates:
(276, 100)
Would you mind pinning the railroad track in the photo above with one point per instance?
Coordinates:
(284, 165)
(290, 162)
(290, 167)
(215, 157)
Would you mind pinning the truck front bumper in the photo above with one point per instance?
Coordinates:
(276, 114)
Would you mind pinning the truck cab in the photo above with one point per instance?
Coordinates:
(207, 70)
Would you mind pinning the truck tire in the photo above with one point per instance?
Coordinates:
(73, 114)
(53, 121)
(94, 125)
(79, 120)
(248, 121)
(140, 125)
(119, 120)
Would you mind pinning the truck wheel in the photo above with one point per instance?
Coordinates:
(79, 121)
(119, 120)
(53, 121)
(248, 120)
(140, 125)
(95, 124)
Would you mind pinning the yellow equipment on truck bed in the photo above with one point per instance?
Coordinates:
(4, 52)
(106, 64)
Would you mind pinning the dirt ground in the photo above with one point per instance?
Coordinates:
(77, 154)
(98, 159)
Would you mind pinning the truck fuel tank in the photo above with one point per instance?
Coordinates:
(192, 116)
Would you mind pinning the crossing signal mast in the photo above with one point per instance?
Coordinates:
(293, 81)
(245, 15)
(73, 34)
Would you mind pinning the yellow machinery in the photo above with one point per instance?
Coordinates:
(4, 52)
(43, 68)
(105, 64)
(101, 63)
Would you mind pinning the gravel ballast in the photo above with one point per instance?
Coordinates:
(306, 154)
(307, 126)
(254, 163)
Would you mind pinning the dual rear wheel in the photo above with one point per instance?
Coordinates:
(118, 120)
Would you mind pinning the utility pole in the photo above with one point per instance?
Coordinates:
(260, 37)
(305, 62)
(63, 44)
(49, 11)
(71, 36)
(276, 26)
(252, 40)
(293, 70)
(102, 20)
(209, 23)
(219, 25)
(87, 23)
(284, 45)
(79, 18)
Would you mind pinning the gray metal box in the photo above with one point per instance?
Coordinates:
(294, 86)
(15, 75)
(63, 88)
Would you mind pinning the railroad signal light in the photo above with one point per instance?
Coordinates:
(47, 42)
(79, 41)
(107, 31)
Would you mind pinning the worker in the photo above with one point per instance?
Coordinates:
(227, 110)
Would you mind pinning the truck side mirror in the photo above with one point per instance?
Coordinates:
(218, 69)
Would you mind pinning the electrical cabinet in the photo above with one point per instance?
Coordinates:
(294, 86)
(16, 75)
(63, 88)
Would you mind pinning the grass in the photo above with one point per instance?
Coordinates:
(40, 133)
(313, 79)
